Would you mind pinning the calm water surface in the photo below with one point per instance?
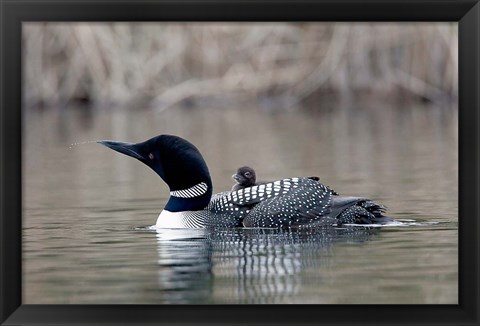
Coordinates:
(88, 211)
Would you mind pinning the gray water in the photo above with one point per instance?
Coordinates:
(88, 211)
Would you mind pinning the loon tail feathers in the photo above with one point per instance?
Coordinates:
(355, 210)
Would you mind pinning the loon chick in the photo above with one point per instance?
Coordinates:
(288, 203)
(245, 177)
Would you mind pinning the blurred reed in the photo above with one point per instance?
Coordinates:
(160, 65)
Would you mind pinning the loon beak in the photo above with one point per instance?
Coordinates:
(236, 177)
(124, 148)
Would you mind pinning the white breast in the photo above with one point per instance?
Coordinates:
(176, 220)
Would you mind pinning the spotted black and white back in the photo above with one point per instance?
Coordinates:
(283, 203)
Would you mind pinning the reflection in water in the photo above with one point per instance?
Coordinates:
(261, 265)
(185, 265)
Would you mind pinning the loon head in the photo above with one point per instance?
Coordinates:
(245, 176)
(179, 163)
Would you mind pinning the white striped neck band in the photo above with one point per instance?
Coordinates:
(191, 192)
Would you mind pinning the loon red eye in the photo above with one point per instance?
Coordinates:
(150, 156)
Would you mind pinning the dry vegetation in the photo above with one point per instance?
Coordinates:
(163, 64)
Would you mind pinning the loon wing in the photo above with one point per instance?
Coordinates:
(292, 199)
(297, 201)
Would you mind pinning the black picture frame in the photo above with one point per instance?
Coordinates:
(14, 12)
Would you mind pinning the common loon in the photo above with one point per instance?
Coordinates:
(297, 202)
(245, 177)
